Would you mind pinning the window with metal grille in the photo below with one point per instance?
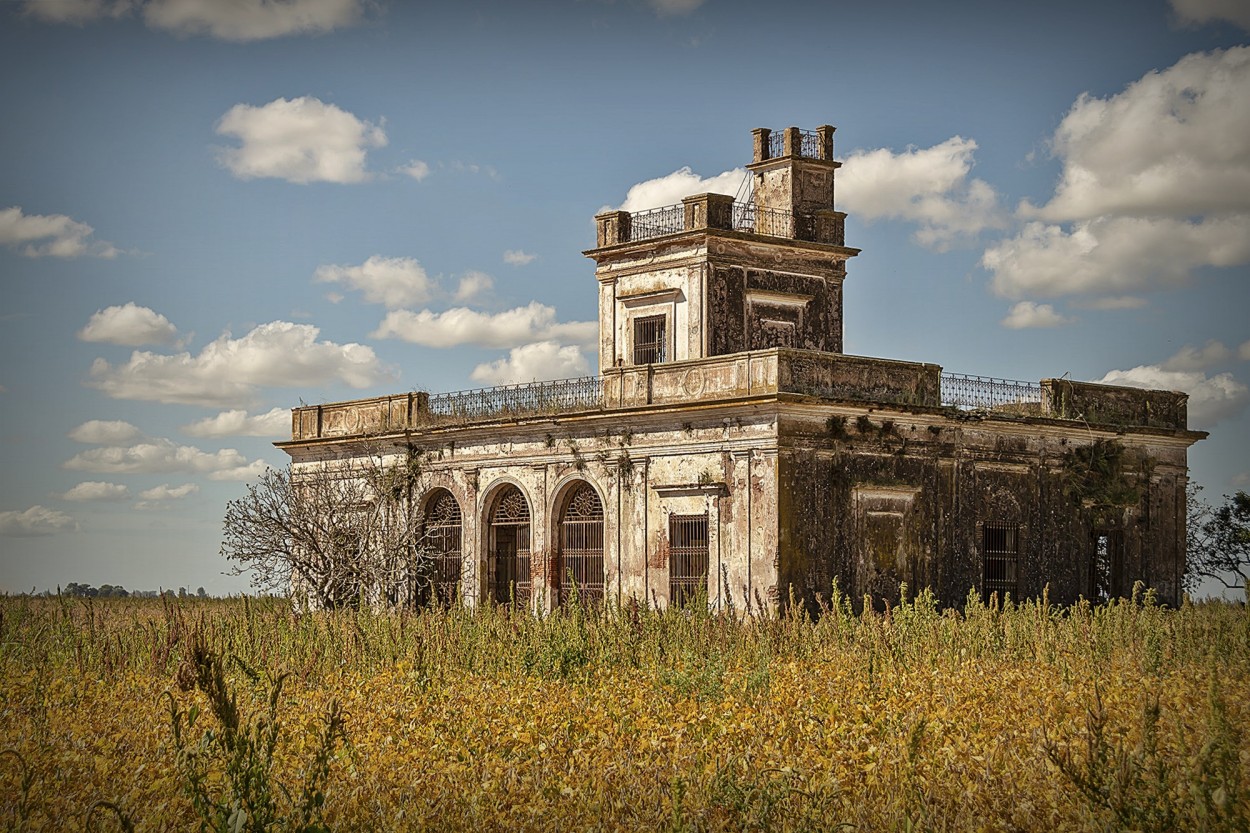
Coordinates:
(581, 547)
(687, 557)
(649, 341)
(441, 581)
(1000, 545)
(509, 568)
(1105, 566)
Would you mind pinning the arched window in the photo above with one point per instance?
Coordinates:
(509, 548)
(581, 546)
(443, 522)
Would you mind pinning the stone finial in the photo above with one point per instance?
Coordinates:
(611, 227)
(760, 137)
(793, 141)
(708, 211)
(825, 135)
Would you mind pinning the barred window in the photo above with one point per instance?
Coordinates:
(442, 538)
(649, 341)
(687, 557)
(1000, 546)
(509, 565)
(1106, 565)
(581, 546)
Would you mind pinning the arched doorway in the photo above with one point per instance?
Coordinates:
(580, 566)
(443, 524)
(509, 548)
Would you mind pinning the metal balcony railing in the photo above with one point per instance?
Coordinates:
(585, 393)
(987, 392)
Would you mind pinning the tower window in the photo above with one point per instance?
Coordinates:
(649, 341)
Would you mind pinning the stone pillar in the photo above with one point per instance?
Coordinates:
(760, 137)
(612, 227)
(825, 135)
(708, 211)
(793, 141)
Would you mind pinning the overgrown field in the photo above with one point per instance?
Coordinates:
(163, 714)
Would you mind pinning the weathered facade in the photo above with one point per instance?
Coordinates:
(729, 448)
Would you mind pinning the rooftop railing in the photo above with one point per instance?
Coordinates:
(809, 144)
(581, 394)
(631, 227)
(988, 393)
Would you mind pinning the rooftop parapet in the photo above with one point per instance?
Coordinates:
(804, 144)
(1114, 405)
(719, 211)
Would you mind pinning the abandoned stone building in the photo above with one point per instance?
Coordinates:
(729, 449)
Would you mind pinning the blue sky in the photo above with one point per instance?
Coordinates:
(211, 212)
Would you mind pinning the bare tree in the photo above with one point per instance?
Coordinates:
(334, 534)
(1219, 541)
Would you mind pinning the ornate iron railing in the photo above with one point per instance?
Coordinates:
(656, 222)
(988, 392)
(809, 144)
(749, 217)
(585, 393)
(776, 144)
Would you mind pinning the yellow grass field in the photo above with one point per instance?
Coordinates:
(1123, 717)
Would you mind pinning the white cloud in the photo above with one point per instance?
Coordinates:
(670, 189)
(233, 20)
(50, 235)
(928, 186)
(665, 8)
(1210, 399)
(1193, 358)
(156, 456)
(241, 474)
(228, 370)
(1243, 352)
(35, 521)
(238, 423)
(1204, 11)
(1027, 314)
(393, 281)
(300, 140)
(130, 325)
(159, 496)
(1113, 255)
(416, 169)
(473, 285)
(1175, 143)
(106, 432)
(461, 325)
(530, 362)
(517, 257)
(94, 490)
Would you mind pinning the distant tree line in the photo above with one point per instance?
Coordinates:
(116, 591)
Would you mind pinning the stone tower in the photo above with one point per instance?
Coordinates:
(712, 277)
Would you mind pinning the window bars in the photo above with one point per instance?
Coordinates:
(509, 575)
(649, 340)
(442, 538)
(581, 547)
(688, 557)
(1000, 547)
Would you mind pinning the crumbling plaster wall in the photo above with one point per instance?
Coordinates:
(873, 498)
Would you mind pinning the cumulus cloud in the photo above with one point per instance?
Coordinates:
(517, 257)
(95, 490)
(927, 186)
(50, 235)
(461, 325)
(35, 521)
(416, 169)
(531, 362)
(300, 140)
(130, 325)
(238, 423)
(1195, 358)
(1175, 143)
(160, 496)
(473, 285)
(106, 432)
(1027, 314)
(683, 182)
(1205, 11)
(1211, 399)
(1112, 302)
(229, 370)
(1155, 184)
(157, 456)
(393, 281)
(237, 20)
(1113, 255)
(1243, 352)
